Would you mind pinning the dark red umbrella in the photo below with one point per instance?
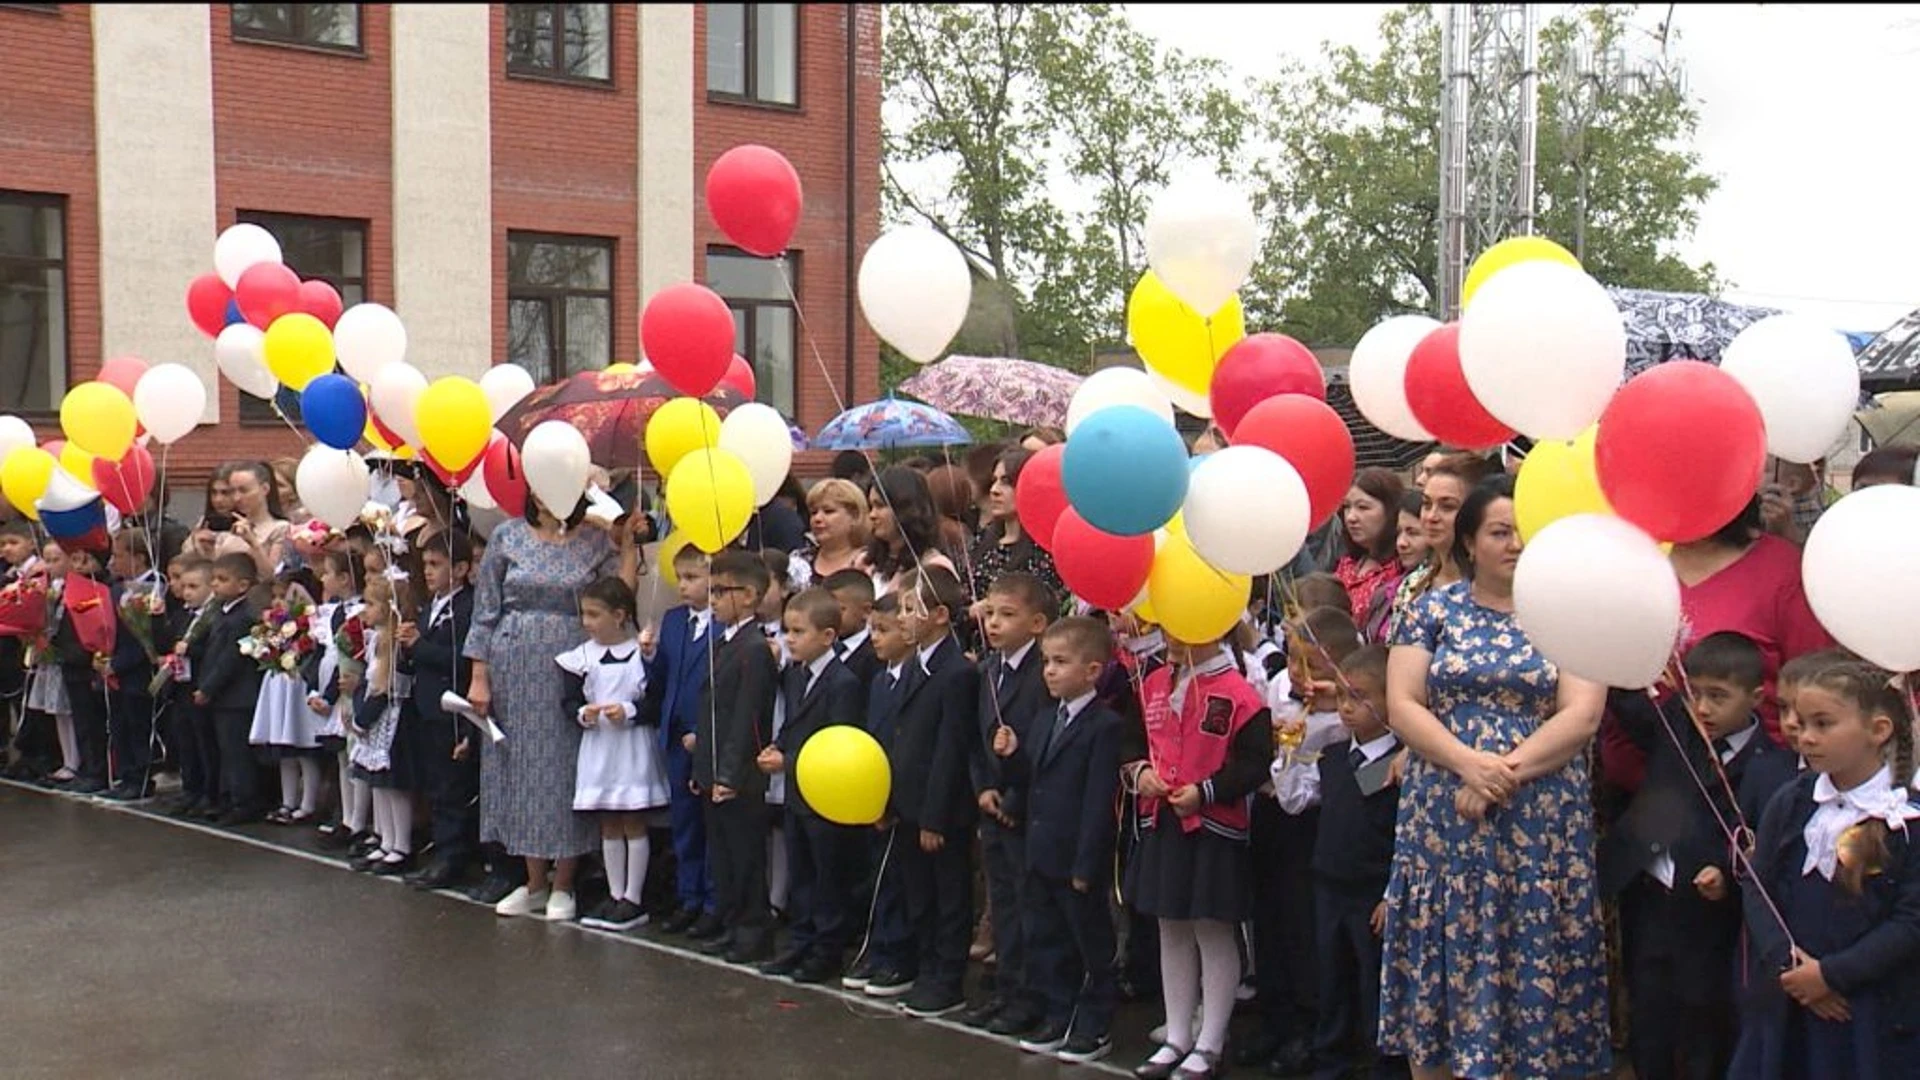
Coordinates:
(610, 408)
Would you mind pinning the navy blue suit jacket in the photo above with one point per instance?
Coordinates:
(937, 716)
(1071, 783)
(677, 675)
(436, 661)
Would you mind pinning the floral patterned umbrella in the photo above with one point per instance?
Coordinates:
(610, 408)
(882, 425)
(998, 388)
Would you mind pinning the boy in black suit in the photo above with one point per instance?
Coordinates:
(1012, 693)
(228, 684)
(200, 775)
(823, 859)
(853, 589)
(132, 664)
(1666, 858)
(735, 718)
(887, 958)
(446, 746)
(1069, 761)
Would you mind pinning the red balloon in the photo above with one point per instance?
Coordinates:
(207, 300)
(1041, 496)
(125, 483)
(753, 194)
(318, 299)
(1438, 394)
(452, 478)
(1105, 570)
(394, 438)
(1312, 438)
(123, 373)
(267, 291)
(1257, 368)
(500, 471)
(740, 376)
(1681, 450)
(687, 334)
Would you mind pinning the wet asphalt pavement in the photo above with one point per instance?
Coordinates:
(136, 947)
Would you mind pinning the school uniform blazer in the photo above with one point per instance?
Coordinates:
(1021, 695)
(230, 680)
(677, 676)
(436, 660)
(130, 663)
(835, 698)
(1070, 782)
(938, 707)
(735, 714)
(883, 708)
(863, 663)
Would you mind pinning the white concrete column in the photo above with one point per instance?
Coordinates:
(443, 185)
(153, 123)
(666, 182)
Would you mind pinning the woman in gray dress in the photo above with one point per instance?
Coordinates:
(525, 613)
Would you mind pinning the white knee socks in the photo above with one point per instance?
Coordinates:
(400, 815)
(1199, 964)
(382, 822)
(289, 783)
(69, 742)
(310, 778)
(639, 852)
(1179, 979)
(613, 851)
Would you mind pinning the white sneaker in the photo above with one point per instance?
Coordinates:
(521, 901)
(561, 907)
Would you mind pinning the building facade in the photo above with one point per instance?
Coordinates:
(513, 179)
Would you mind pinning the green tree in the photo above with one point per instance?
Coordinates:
(1351, 189)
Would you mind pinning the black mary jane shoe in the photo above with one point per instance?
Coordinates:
(392, 867)
(1152, 1070)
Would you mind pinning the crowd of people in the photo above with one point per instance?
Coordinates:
(1373, 807)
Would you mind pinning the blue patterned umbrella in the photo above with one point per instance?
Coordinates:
(882, 425)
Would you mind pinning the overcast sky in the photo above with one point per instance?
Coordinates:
(1800, 105)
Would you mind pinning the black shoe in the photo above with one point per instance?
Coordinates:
(751, 950)
(1262, 1048)
(87, 785)
(492, 889)
(1294, 1057)
(190, 807)
(236, 817)
(930, 1003)
(365, 863)
(1047, 1039)
(984, 1013)
(718, 945)
(129, 792)
(889, 983)
(707, 927)
(212, 812)
(362, 843)
(616, 915)
(1083, 1049)
(336, 839)
(680, 921)
(1014, 1023)
(437, 874)
(819, 968)
(392, 867)
(785, 964)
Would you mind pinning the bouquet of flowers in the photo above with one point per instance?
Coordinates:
(136, 614)
(312, 538)
(350, 644)
(174, 667)
(23, 607)
(279, 643)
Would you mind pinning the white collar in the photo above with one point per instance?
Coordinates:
(819, 666)
(1219, 662)
(850, 645)
(233, 603)
(1147, 644)
(926, 656)
(750, 620)
(1018, 656)
(1375, 749)
(1837, 811)
(1738, 741)
(894, 670)
(1078, 705)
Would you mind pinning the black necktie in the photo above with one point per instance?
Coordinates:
(1356, 757)
(1722, 749)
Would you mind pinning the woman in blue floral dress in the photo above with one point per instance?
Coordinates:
(1494, 964)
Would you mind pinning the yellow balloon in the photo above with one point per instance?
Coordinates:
(621, 368)
(710, 498)
(677, 429)
(1193, 601)
(299, 349)
(664, 555)
(98, 417)
(24, 476)
(78, 462)
(844, 775)
(1512, 250)
(1557, 480)
(455, 421)
(1176, 341)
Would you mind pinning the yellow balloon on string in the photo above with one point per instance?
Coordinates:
(1557, 480)
(1194, 601)
(1175, 341)
(1509, 252)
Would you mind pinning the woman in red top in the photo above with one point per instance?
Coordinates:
(1370, 568)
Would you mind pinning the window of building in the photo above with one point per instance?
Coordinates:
(753, 53)
(561, 41)
(559, 304)
(322, 26)
(33, 301)
(764, 326)
(333, 250)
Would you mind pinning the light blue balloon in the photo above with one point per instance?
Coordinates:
(1125, 470)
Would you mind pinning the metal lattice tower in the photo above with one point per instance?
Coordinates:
(1489, 116)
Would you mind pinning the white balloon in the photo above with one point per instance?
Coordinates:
(1246, 510)
(240, 247)
(1182, 398)
(1117, 386)
(241, 353)
(1861, 572)
(367, 338)
(1377, 375)
(393, 394)
(1598, 598)
(333, 485)
(915, 289)
(14, 434)
(505, 385)
(556, 459)
(476, 493)
(760, 437)
(169, 399)
(1201, 241)
(1803, 377)
(1543, 348)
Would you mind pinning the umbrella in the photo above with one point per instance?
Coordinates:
(881, 425)
(1891, 361)
(610, 408)
(1664, 326)
(998, 388)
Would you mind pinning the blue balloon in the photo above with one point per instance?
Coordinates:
(1125, 470)
(233, 313)
(335, 411)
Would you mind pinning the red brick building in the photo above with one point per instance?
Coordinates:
(514, 180)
